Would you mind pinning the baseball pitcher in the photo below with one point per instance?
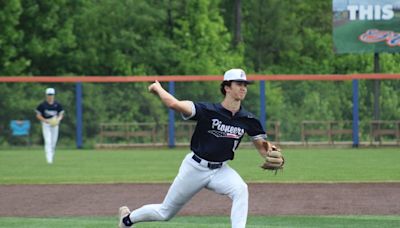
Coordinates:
(219, 130)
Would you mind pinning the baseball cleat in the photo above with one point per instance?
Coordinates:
(123, 212)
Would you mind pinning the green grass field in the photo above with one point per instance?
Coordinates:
(21, 166)
(28, 166)
(212, 222)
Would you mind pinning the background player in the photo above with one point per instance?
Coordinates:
(50, 113)
(219, 130)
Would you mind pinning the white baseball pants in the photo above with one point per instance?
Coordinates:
(192, 177)
(50, 136)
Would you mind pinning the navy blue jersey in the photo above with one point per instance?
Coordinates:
(49, 110)
(218, 133)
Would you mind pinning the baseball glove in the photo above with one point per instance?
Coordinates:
(54, 121)
(274, 160)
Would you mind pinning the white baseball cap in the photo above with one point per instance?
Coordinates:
(50, 91)
(235, 75)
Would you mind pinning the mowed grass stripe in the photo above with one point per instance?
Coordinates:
(28, 166)
(210, 222)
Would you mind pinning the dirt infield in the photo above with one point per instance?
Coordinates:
(265, 199)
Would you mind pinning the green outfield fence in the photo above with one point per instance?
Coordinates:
(167, 132)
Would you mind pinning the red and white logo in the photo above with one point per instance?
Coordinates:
(391, 38)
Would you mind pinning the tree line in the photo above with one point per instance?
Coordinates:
(170, 37)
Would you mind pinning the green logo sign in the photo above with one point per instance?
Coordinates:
(361, 26)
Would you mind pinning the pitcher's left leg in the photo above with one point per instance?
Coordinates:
(228, 182)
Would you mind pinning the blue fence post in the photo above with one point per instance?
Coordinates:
(262, 104)
(78, 95)
(355, 114)
(171, 118)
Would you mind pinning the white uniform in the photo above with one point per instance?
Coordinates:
(50, 132)
(216, 137)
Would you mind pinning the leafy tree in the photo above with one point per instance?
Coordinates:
(121, 38)
(203, 47)
(268, 31)
(47, 28)
(11, 39)
(203, 40)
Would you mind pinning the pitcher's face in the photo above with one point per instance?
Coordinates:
(237, 90)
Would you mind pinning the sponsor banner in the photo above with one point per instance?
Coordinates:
(361, 26)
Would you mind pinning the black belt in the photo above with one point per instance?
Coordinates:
(209, 165)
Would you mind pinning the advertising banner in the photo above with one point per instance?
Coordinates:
(361, 26)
